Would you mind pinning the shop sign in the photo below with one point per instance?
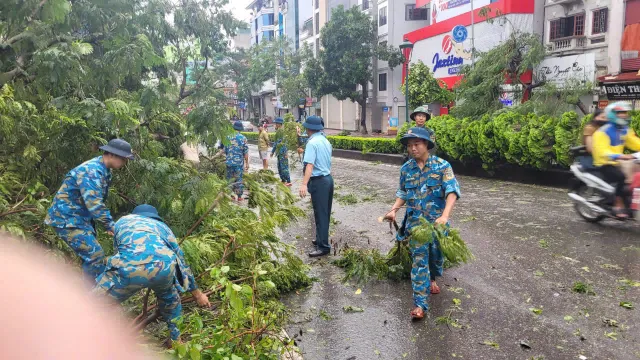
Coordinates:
(602, 104)
(442, 10)
(558, 70)
(446, 60)
(628, 91)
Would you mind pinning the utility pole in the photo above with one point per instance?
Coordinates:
(376, 123)
(473, 38)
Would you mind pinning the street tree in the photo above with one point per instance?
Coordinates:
(343, 67)
(424, 88)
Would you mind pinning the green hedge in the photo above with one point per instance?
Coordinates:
(364, 144)
(505, 137)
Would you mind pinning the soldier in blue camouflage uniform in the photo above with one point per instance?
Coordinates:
(148, 256)
(429, 189)
(80, 202)
(237, 155)
(283, 158)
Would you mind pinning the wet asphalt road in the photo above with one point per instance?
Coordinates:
(530, 249)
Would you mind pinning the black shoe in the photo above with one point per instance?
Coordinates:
(315, 243)
(318, 253)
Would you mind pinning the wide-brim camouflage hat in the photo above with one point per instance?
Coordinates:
(421, 110)
(147, 210)
(418, 133)
(118, 147)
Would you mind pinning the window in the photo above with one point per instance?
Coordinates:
(267, 35)
(317, 46)
(317, 23)
(382, 18)
(267, 19)
(317, 4)
(600, 18)
(256, 22)
(382, 82)
(411, 13)
(567, 27)
(366, 4)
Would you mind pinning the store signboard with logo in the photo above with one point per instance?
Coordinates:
(559, 70)
(623, 91)
(442, 10)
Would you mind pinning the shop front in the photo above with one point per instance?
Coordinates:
(445, 45)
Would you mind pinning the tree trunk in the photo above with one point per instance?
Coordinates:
(363, 109)
(582, 107)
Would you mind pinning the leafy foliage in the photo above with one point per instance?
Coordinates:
(479, 91)
(343, 68)
(73, 77)
(424, 88)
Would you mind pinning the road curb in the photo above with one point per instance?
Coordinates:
(552, 177)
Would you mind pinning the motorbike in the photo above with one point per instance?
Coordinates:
(593, 197)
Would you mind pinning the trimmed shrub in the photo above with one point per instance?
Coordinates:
(366, 145)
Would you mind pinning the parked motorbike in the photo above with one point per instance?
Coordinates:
(592, 196)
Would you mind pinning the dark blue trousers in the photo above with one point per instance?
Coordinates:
(321, 190)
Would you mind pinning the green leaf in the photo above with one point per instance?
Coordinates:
(536, 311)
(55, 11)
(225, 269)
(182, 349)
(236, 357)
(237, 287)
(626, 305)
(195, 353)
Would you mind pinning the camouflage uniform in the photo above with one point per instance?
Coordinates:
(283, 159)
(147, 256)
(425, 193)
(77, 204)
(235, 152)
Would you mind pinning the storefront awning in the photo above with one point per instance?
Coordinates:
(623, 77)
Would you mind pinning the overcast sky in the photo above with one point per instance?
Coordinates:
(238, 7)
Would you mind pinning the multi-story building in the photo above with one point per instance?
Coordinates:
(394, 19)
(622, 81)
(263, 28)
(457, 27)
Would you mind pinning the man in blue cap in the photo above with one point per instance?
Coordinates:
(80, 202)
(280, 147)
(430, 190)
(237, 158)
(318, 181)
(149, 256)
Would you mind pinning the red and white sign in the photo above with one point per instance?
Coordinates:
(447, 44)
(442, 10)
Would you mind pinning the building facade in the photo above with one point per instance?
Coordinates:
(445, 44)
(394, 19)
(263, 28)
(622, 81)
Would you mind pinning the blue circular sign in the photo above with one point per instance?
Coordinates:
(459, 33)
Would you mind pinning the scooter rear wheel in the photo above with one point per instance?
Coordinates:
(584, 211)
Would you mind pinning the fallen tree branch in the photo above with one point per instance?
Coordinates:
(18, 211)
(197, 223)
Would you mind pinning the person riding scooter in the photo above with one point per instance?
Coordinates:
(609, 143)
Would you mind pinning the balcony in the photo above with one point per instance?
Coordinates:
(568, 44)
(562, 2)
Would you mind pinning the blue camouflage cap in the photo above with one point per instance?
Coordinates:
(147, 211)
(418, 133)
(279, 120)
(238, 126)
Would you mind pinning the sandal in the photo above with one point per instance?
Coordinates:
(435, 289)
(417, 313)
(620, 213)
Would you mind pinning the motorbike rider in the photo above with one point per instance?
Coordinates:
(609, 143)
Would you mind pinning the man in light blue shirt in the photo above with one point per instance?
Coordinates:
(318, 182)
